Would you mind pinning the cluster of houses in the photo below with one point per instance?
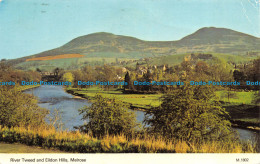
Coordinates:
(141, 70)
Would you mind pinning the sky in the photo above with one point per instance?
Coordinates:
(28, 27)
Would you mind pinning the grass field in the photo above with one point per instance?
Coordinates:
(137, 100)
(233, 58)
(46, 64)
(171, 59)
(226, 97)
(21, 148)
(241, 106)
(236, 97)
(178, 58)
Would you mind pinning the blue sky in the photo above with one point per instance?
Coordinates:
(32, 26)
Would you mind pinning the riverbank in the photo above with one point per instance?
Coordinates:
(139, 102)
(77, 142)
(238, 117)
(245, 125)
(26, 87)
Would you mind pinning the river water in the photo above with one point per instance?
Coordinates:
(54, 97)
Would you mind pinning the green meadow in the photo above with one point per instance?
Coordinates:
(226, 97)
(239, 104)
(136, 100)
(236, 97)
(178, 58)
(69, 63)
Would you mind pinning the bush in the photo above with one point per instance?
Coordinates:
(108, 116)
(19, 109)
(185, 114)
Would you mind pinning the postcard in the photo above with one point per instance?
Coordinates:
(112, 81)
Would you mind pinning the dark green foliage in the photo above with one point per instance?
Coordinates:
(108, 116)
(188, 114)
(128, 80)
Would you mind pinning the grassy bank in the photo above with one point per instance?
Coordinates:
(244, 113)
(236, 97)
(241, 108)
(25, 87)
(84, 143)
(141, 101)
(148, 100)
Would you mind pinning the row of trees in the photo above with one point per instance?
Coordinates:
(8, 73)
(217, 70)
(248, 72)
(99, 73)
(196, 70)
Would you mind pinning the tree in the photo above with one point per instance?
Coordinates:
(78, 76)
(56, 71)
(19, 109)
(88, 73)
(149, 78)
(108, 116)
(255, 72)
(239, 76)
(106, 73)
(256, 77)
(4, 71)
(68, 76)
(220, 70)
(128, 80)
(38, 70)
(189, 114)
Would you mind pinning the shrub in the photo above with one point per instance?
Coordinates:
(108, 116)
(185, 114)
(19, 109)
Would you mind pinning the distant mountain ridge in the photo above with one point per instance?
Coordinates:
(208, 39)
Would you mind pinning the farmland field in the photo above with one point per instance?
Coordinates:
(56, 57)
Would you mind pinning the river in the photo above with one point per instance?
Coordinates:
(54, 97)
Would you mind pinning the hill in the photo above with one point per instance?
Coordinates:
(219, 40)
(106, 46)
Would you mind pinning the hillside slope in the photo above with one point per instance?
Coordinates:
(107, 45)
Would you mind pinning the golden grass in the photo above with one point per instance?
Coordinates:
(64, 56)
(85, 143)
